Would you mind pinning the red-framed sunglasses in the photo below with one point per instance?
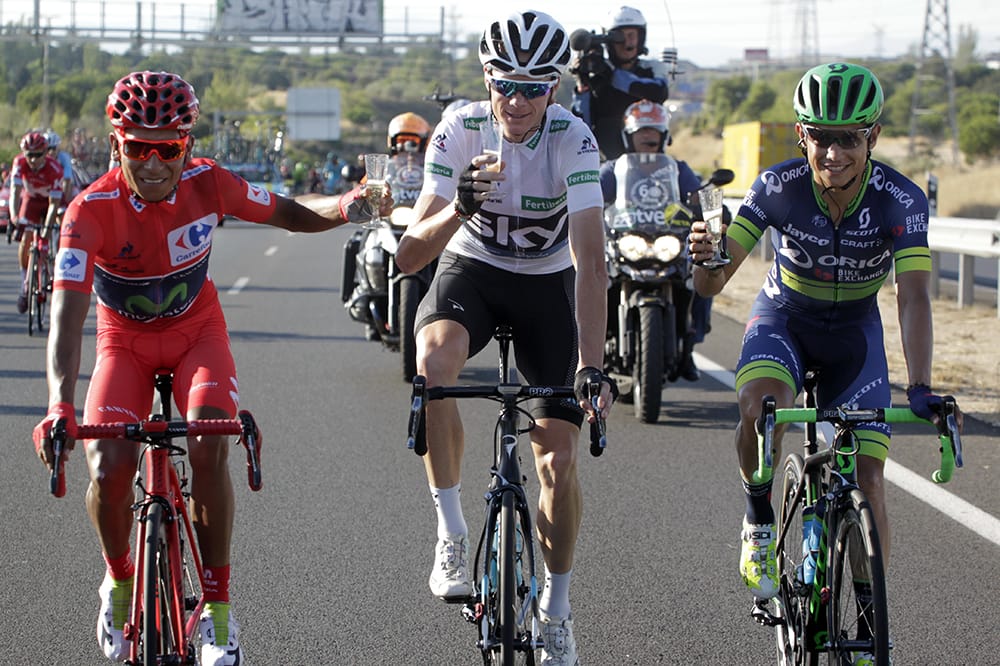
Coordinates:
(169, 150)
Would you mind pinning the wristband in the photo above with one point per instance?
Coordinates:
(462, 217)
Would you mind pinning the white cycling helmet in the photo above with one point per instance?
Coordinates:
(52, 138)
(627, 17)
(527, 43)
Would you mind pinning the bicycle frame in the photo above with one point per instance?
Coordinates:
(823, 480)
(39, 276)
(504, 632)
(162, 620)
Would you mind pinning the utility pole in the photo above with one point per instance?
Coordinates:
(935, 46)
(805, 27)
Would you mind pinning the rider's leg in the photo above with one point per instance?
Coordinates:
(442, 351)
(750, 396)
(560, 508)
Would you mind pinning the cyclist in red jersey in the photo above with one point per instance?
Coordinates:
(35, 193)
(140, 237)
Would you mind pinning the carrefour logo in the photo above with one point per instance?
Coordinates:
(258, 195)
(71, 264)
(191, 240)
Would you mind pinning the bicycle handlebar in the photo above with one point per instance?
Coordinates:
(416, 435)
(947, 426)
(158, 430)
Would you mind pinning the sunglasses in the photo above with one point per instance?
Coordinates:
(34, 156)
(170, 150)
(846, 139)
(530, 89)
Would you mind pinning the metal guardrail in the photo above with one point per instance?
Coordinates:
(968, 238)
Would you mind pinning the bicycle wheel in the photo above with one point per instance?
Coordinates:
(34, 297)
(511, 596)
(858, 618)
(791, 603)
(152, 601)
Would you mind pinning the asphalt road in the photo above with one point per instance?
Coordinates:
(331, 558)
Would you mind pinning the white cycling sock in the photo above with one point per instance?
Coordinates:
(448, 503)
(554, 601)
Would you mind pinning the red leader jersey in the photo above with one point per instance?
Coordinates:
(39, 186)
(148, 262)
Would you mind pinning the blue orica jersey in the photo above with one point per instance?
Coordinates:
(825, 270)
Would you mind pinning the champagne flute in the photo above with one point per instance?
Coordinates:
(491, 133)
(711, 212)
(376, 168)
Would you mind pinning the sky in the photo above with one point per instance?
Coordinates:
(708, 33)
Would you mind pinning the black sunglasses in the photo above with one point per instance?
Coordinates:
(34, 156)
(846, 139)
(530, 89)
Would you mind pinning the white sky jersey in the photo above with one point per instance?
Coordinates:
(522, 227)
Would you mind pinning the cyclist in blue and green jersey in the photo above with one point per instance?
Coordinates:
(840, 223)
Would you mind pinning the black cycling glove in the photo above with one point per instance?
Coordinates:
(466, 204)
(923, 402)
(588, 375)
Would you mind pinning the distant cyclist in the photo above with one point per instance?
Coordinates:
(522, 246)
(35, 193)
(65, 161)
(840, 223)
(140, 238)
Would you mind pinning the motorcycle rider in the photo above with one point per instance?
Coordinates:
(605, 87)
(407, 137)
(647, 130)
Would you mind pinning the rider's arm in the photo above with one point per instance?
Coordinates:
(710, 282)
(322, 213)
(69, 311)
(424, 240)
(915, 324)
(16, 190)
(586, 237)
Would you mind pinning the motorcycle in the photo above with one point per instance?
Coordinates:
(650, 293)
(374, 291)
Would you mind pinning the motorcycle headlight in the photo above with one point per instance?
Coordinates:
(633, 248)
(667, 247)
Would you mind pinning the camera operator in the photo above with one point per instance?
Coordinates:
(606, 86)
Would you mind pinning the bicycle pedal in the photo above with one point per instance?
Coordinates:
(763, 615)
(472, 612)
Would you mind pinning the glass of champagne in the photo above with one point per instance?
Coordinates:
(376, 169)
(711, 212)
(492, 135)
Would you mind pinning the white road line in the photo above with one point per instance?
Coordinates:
(956, 508)
(238, 285)
(270, 252)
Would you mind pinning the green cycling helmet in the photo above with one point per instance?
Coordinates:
(838, 94)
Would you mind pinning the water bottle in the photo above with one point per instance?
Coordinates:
(811, 529)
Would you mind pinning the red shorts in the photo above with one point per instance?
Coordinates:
(121, 387)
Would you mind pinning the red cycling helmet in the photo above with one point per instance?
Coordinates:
(153, 100)
(34, 142)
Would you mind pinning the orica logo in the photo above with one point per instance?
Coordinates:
(772, 184)
(190, 240)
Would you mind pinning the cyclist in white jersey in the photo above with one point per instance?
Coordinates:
(509, 241)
